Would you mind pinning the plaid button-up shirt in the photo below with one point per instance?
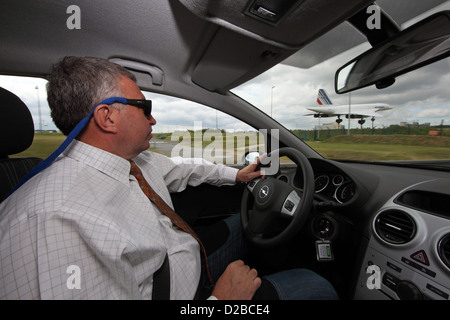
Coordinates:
(83, 228)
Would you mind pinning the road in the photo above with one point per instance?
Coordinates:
(171, 148)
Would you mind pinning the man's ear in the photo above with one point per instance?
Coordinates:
(105, 118)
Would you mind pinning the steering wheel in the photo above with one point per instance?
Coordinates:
(273, 199)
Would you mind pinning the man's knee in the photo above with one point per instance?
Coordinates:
(302, 284)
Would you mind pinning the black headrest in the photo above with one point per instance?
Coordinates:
(17, 128)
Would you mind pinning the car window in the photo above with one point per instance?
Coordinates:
(191, 130)
(183, 128)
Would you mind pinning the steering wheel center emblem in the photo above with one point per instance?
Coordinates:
(264, 192)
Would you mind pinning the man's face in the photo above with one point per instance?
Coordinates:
(135, 127)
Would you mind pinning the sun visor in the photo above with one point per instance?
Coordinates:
(288, 23)
(232, 59)
(253, 36)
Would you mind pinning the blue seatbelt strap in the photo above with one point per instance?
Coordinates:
(72, 135)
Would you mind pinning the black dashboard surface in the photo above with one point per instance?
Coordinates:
(357, 190)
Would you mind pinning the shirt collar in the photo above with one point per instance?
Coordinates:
(110, 164)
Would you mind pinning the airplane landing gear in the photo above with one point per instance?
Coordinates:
(338, 121)
(361, 122)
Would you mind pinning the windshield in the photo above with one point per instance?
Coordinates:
(408, 121)
(416, 127)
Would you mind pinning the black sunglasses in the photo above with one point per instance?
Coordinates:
(143, 104)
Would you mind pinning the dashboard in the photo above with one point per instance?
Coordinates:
(334, 187)
(330, 183)
(409, 246)
(402, 221)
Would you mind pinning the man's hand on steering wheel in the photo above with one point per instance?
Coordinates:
(273, 198)
(248, 173)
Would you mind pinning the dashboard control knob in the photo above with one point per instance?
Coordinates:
(408, 291)
(324, 227)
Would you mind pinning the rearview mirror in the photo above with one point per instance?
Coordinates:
(423, 43)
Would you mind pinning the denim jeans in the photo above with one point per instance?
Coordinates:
(293, 284)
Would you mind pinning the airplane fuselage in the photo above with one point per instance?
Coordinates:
(355, 110)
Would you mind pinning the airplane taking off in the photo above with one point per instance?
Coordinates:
(357, 111)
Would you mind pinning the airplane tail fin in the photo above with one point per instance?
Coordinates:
(322, 98)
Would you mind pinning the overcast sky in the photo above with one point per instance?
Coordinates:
(286, 92)
(422, 95)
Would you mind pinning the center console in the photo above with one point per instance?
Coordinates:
(408, 255)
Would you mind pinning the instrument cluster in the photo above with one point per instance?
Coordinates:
(334, 187)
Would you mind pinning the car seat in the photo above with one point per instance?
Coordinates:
(17, 132)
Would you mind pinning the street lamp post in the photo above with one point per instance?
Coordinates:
(39, 109)
(271, 102)
(349, 111)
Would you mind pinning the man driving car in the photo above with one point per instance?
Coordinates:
(91, 210)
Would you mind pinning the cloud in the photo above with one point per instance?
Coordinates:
(434, 113)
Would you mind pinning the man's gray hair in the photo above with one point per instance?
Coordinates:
(77, 84)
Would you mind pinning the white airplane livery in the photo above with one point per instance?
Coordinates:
(326, 109)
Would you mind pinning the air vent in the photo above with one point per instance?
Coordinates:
(395, 226)
(444, 249)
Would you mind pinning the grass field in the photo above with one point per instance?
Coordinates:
(384, 147)
(43, 145)
(353, 147)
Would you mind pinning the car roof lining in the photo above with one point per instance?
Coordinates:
(206, 36)
(115, 29)
(212, 43)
